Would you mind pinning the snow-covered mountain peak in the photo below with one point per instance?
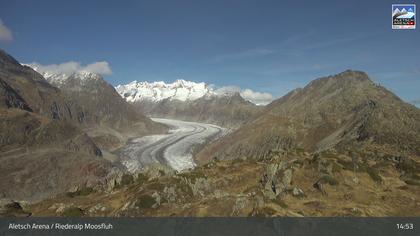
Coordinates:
(184, 90)
(85, 75)
(157, 91)
(58, 78)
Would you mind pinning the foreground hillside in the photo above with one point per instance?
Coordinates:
(283, 184)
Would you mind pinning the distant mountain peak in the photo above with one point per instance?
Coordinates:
(184, 90)
(86, 75)
(346, 76)
(59, 78)
(157, 91)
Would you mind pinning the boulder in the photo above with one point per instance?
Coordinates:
(276, 179)
(297, 192)
(170, 194)
(201, 187)
(157, 198)
(240, 206)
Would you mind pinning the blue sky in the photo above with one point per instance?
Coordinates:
(268, 46)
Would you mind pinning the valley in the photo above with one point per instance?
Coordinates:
(74, 145)
(174, 149)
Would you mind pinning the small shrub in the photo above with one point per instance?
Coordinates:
(85, 191)
(237, 160)
(412, 182)
(280, 202)
(127, 179)
(328, 155)
(156, 186)
(336, 167)
(145, 201)
(81, 192)
(329, 180)
(185, 190)
(142, 178)
(193, 175)
(266, 211)
(374, 174)
(347, 165)
(299, 150)
(415, 176)
(73, 212)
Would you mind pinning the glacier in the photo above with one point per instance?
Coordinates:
(174, 149)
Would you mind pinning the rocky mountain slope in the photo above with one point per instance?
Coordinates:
(346, 111)
(189, 101)
(42, 150)
(22, 87)
(99, 109)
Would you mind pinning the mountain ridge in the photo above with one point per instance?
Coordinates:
(157, 91)
(227, 111)
(43, 150)
(100, 108)
(183, 90)
(338, 111)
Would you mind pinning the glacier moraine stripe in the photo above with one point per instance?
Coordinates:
(174, 149)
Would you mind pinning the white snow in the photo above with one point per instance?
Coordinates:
(183, 90)
(157, 91)
(59, 78)
(174, 149)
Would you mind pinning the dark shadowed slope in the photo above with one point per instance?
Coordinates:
(99, 109)
(42, 150)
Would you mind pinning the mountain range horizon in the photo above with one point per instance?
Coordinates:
(146, 149)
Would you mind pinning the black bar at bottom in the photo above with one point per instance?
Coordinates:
(341, 226)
